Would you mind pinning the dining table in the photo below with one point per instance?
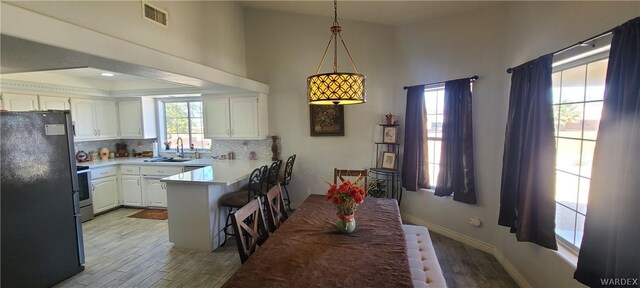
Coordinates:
(308, 251)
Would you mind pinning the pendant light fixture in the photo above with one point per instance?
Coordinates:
(339, 88)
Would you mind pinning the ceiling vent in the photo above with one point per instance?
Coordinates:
(155, 14)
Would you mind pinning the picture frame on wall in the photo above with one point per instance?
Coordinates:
(326, 120)
(389, 160)
(389, 134)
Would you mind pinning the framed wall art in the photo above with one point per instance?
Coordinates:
(389, 160)
(389, 134)
(326, 120)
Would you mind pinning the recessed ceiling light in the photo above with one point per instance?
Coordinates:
(107, 74)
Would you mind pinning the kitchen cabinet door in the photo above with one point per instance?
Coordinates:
(244, 117)
(130, 118)
(82, 114)
(106, 117)
(216, 117)
(131, 190)
(105, 194)
(54, 103)
(137, 118)
(156, 193)
(19, 102)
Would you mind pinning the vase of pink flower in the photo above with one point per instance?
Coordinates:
(346, 197)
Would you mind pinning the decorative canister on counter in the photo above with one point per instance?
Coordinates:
(112, 155)
(252, 155)
(104, 153)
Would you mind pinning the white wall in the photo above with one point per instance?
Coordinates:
(207, 32)
(283, 49)
(485, 43)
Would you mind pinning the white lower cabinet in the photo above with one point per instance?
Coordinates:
(131, 190)
(155, 192)
(105, 193)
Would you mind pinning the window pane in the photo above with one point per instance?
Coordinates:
(196, 109)
(440, 108)
(176, 110)
(431, 101)
(573, 84)
(431, 150)
(437, 149)
(568, 155)
(196, 126)
(200, 142)
(587, 158)
(596, 74)
(177, 125)
(570, 120)
(555, 79)
(556, 118)
(567, 189)
(579, 229)
(434, 175)
(565, 223)
(583, 196)
(432, 126)
(437, 125)
(592, 113)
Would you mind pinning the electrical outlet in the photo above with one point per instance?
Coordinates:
(475, 221)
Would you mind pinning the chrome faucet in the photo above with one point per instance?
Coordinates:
(179, 146)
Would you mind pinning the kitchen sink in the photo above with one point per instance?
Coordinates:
(165, 159)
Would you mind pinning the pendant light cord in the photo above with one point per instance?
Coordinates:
(335, 33)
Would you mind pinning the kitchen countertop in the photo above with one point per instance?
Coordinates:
(221, 172)
(140, 161)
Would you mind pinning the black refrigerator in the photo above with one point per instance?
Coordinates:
(41, 235)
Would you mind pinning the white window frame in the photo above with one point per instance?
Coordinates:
(433, 163)
(557, 68)
(162, 123)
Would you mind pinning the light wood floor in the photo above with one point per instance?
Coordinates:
(131, 252)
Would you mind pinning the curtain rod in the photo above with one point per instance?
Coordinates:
(472, 78)
(581, 43)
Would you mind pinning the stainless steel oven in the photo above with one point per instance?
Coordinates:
(86, 199)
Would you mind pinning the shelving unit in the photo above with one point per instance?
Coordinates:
(389, 178)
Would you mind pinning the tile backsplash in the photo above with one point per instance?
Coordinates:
(138, 145)
(219, 147)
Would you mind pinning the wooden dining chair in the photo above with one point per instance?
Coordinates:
(250, 228)
(353, 174)
(276, 212)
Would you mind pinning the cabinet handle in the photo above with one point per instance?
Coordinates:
(93, 188)
(232, 132)
(139, 131)
(99, 132)
(138, 181)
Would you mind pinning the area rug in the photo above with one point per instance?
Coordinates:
(155, 214)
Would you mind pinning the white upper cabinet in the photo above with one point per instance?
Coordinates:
(82, 114)
(238, 117)
(137, 118)
(19, 102)
(94, 119)
(54, 103)
(216, 117)
(106, 119)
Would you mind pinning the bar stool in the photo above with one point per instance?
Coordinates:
(238, 199)
(286, 178)
(274, 173)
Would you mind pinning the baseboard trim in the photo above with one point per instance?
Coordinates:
(475, 243)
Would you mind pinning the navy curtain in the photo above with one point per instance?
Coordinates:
(610, 248)
(527, 195)
(456, 160)
(415, 173)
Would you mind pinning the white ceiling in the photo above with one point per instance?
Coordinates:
(382, 12)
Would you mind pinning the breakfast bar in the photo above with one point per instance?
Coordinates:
(195, 219)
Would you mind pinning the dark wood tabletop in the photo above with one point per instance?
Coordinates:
(307, 250)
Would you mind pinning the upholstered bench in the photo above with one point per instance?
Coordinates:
(425, 269)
